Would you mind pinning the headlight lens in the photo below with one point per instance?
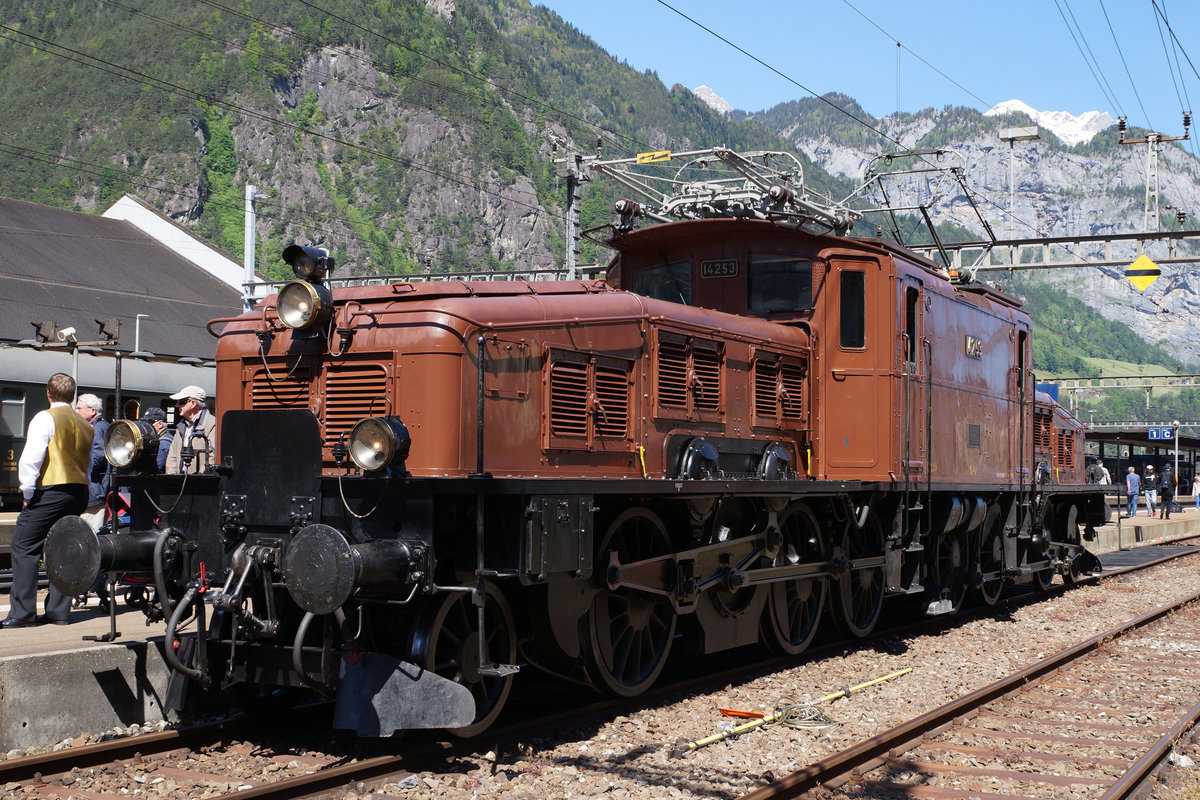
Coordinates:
(376, 442)
(126, 440)
(302, 304)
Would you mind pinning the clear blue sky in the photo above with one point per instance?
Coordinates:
(996, 51)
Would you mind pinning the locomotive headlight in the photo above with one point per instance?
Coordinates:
(126, 444)
(302, 304)
(376, 442)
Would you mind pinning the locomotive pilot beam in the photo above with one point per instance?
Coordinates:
(752, 420)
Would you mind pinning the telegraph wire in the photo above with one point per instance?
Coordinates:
(1121, 53)
(1097, 73)
(915, 55)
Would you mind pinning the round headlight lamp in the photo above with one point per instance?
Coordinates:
(302, 304)
(127, 444)
(376, 442)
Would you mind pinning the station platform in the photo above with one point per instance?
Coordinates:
(55, 686)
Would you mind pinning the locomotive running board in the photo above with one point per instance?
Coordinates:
(379, 695)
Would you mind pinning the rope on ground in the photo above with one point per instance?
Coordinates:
(796, 715)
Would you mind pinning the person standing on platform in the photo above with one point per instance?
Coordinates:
(1196, 489)
(1133, 486)
(1166, 492)
(53, 471)
(91, 409)
(1150, 487)
(197, 429)
(158, 418)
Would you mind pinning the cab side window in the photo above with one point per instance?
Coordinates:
(671, 282)
(853, 309)
(780, 283)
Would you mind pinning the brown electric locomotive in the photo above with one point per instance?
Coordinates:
(420, 488)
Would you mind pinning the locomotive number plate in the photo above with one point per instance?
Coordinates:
(725, 268)
(974, 347)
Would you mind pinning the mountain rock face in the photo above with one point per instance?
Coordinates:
(713, 100)
(1094, 188)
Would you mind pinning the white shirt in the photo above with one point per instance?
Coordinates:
(37, 442)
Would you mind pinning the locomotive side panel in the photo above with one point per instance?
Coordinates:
(972, 349)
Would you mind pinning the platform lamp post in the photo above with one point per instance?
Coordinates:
(1175, 469)
(1012, 135)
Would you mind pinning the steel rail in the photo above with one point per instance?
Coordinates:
(874, 751)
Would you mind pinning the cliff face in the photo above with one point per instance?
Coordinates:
(1094, 188)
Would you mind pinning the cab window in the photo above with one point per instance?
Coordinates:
(853, 309)
(671, 282)
(780, 283)
(12, 412)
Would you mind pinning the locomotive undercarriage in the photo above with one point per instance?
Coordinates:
(420, 617)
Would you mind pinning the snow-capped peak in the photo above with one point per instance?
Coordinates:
(713, 100)
(1068, 127)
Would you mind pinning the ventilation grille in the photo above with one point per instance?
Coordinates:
(706, 383)
(1042, 428)
(672, 374)
(1066, 449)
(349, 392)
(612, 399)
(287, 391)
(766, 388)
(589, 402)
(778, 390)
(792, 382)
(568, 399)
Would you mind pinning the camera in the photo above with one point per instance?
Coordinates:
(66, 335)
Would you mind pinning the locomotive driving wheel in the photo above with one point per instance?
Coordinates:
(446, 641)
(950, 561)
(794, 607)
(991, 558)
(858, 596)
(628, 634)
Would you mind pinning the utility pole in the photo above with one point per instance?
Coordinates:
(1153, 142)
(1012, 135)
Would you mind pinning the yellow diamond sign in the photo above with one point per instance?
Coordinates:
(1142, 272)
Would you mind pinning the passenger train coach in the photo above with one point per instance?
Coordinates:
(23, 375)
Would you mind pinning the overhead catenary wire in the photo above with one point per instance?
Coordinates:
(1088, 57)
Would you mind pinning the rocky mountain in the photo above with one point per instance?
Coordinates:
(713, 100)
(1069, 128)
(1095, 187)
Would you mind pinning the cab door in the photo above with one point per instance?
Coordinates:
(913, 445)
(854, 384)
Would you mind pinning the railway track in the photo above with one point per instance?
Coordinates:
(191, 761)
(1093, 720)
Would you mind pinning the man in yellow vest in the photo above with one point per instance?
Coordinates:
(53, 471)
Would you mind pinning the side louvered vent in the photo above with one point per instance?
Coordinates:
(568, 399)
(706, 382)
(672, 374)
(791, 380)
(279, 389)
(766, 389)
(612, 402)
(1066, 449)
(1042, 430)
(350, 389)
(589, 402)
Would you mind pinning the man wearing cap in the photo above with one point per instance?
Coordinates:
(158, 418)
(1150, 487)
(53, 471)
(197, 430)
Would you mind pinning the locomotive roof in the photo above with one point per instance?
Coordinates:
(649, 237)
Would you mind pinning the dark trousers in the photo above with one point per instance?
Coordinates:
(48, 505)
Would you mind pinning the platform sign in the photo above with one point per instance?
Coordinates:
(1162, 434)
(1142, 272)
